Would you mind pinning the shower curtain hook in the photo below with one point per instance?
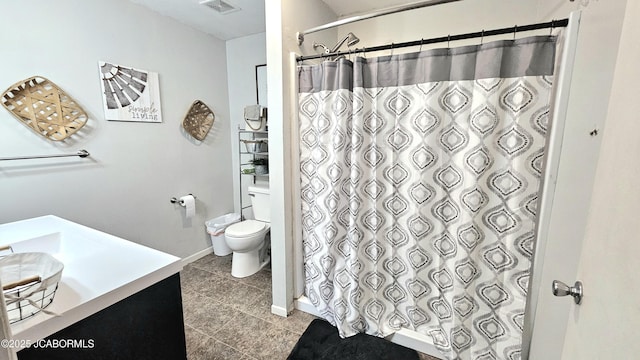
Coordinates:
(553, 24)
(482, 37)
(421, 41)
(515, 30)
(449, 41)
(391, 54)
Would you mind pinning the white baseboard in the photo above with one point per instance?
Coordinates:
(280, 311)
(303, 304)
(200, 254)
(404, 337)
(416, 341)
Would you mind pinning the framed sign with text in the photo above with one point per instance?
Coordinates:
(130, 94)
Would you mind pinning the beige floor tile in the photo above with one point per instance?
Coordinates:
(258, 338)
(247, 357)
(230, 318)
(215, 264)
(279, 341)
(206, 315)
(296, 322)
(203, 347)
(232, 293)
(194, 279)
(260, 280)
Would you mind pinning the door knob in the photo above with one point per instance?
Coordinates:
(561, 289)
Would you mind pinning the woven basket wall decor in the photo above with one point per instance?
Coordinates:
(199, 120)
(45, 108)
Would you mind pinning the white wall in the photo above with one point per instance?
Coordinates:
(135, 168)
(284, 19)
(605, 325)
(243, 54)
(441, 20)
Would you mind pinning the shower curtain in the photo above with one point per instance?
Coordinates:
(420, 176)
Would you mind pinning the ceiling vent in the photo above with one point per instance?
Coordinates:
(220, 6)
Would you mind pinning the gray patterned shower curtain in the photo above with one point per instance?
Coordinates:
(420, 176)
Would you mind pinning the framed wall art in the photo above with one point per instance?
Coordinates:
(261, 84)
(129, 94)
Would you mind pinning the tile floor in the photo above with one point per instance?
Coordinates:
(229, 318)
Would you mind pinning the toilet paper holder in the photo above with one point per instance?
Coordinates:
(175, 200)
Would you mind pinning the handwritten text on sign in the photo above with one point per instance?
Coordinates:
(148, 113)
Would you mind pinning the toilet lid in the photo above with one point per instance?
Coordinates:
(245, 228)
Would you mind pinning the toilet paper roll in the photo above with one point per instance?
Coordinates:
(189, 203)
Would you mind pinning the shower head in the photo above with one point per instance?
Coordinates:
(350, 39)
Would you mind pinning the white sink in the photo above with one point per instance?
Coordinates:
(63, 248)
(99, 269)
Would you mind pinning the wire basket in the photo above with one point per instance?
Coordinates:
(256, 146)
(29, 283)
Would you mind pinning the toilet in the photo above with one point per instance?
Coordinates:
(249, 239)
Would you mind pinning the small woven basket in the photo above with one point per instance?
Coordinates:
(199, 120)
(45, 108)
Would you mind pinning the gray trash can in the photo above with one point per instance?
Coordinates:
(216, 227)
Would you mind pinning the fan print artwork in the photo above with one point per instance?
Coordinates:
(129, 94)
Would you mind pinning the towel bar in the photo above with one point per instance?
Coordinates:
(80, 153)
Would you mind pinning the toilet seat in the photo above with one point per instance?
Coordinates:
(245, 229)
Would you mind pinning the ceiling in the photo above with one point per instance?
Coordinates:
(249, 19)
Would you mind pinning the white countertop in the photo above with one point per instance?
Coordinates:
(99, 270)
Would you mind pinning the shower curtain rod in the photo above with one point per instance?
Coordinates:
(387, 11)
(513, 29)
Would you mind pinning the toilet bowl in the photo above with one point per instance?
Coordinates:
(250, 250)
(249, 239)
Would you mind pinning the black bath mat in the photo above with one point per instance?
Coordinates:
(321, 342)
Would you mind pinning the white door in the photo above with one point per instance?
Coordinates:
(605, 326)
(598, 230)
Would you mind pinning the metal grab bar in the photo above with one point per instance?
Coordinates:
(80, 153)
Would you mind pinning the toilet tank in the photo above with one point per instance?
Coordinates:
(260, 203)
